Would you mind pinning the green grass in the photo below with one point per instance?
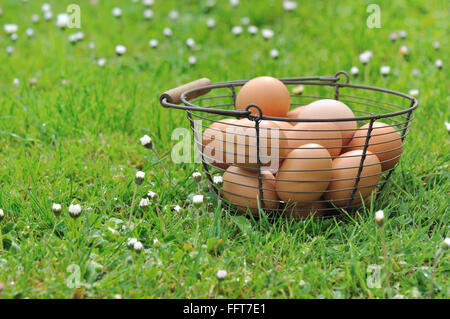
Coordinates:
(79, 143)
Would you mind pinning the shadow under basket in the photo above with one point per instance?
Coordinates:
(207, 103)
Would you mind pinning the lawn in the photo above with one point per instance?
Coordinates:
(70, 130)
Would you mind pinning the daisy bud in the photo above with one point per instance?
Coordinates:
(138, 246)
(56, 209)
(218, 180)
(153, 43)
(274, 53)
(210, 23)
(385, 70)
(379, 217)
(144, 203)
(2, 214)
(298, 90)
(438, 63)
(120, 50)
(139, 178)
(197, 176)
(153, 196)
(75, 210)
(221, 274)
(197, 200)
(446, 243)
(252, 29)
(436, 45)
(354, 70)
(146, 141)
(131, 242)
(267, 33)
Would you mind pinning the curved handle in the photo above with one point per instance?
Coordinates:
(173, 95)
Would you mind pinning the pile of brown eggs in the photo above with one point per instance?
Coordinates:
(307, 166)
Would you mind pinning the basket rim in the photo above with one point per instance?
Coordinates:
(315, 80)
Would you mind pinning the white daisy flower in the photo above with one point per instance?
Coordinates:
(192, 60)
(197, 200)
(35, 18)
(144, 203)
(267, 33)
(354, 70)
(167, 32)
(298, 90)
(385, 70)
(139, 178)
(120, 50)
(146, 141)
(438, 63)
(218, 180)
(138, 246)
(117, 12)
(414, 92)
(365, 57)
(447, 126)
(237, 30)
(403, 34)
(174, 15)
(190, 42)
(46, 7)
(415, 72)
(197, 176)
(404, 50)
(101, 62)
(16, 82)
(393, 36)
(75, 210)
(221, 274)
(48, 15)
(10, 49)
(289, 5)
(155, 241)
(178, 208)
(379, 217)
(274, 53)
(10, 28)
(211, 23)
(148, 3)
(153, 196)
(234, 3)
(245, 20)
(131, 242)
(446, 243)
(252, 29)
(2, 214)
(153, 43)
(56, 209)
(148, 14)
(91, 45)
(29, 32)
(436, 45)
(62, 20)
(14, 36)
(211, 3)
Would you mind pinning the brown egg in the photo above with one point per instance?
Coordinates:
(240, 187)
(213, 143)
(344, 173)
(326, 134)
(332, 109)
(270, 94)
(241, 145)
(384, 142)
(295, 113)
(299, 212)
(304, 175)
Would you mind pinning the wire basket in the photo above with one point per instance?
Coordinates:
(250, 187)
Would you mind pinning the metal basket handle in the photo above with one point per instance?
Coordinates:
(173, 96)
